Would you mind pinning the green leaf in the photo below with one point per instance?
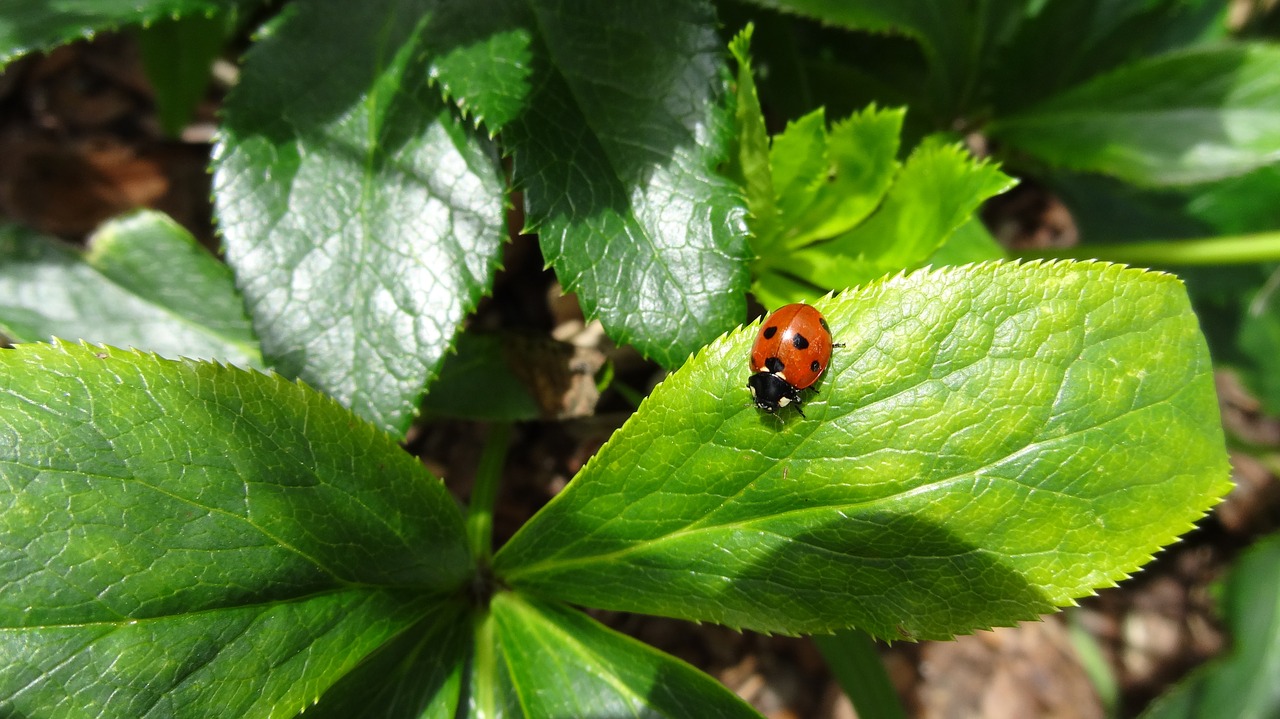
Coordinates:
(778, 288)
(971, 242)
(856, 664)
(799, 165)
(1184, 117)
(957, 38)
(991, 442)
(1259, 340)
(1109, 211)
(938, 189)
(1239, 205)
(752, 157)
(1103, 35)
(178, 55)
(272, 659)
(480, 53)
(198, 540)
(363, 220)
(829, 182)
(1241, 684)
(479, 382)
(30, 26)
(490, 691)
(560, 663)
(875, 15)
(417, 675)
(144, 282)
(811, 65)
(616, 156)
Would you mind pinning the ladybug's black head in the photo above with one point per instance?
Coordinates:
(771, 391)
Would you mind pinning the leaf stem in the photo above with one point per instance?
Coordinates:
(856, 664)
(485, 492)
(1229, 250)
(484, 668)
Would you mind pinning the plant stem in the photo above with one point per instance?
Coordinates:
(856, 664)
(484, 667)
(1229, 250)
(485, 492)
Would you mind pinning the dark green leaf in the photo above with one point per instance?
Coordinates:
(957, 38)
(1259, 340)
(481, 54)
(251, 659)
(363, 220)
(616, 156)
(856, 664)
(1086, 37)
(1179, 118)
(1241, 684)
(804, 64)
(418, 675)
(991, 442)
(1106, 210)
(1240, 205)
(28, 26)
(144, 282)
(490, 691)
(479, 382)
(178, 55)
(562, 664)
(875, 15)
(191, 539)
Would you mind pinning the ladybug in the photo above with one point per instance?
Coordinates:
(791, 352)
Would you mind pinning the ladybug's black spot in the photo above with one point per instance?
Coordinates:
(769, 332)
(799, 342)
(774, 365)
(823, 321)
(815, 365)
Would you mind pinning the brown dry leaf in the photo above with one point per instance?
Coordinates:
(1030, 670)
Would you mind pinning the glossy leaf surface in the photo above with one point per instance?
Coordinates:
(363, 219)
(617, 155)
(192, 539)
(144, 282)
(991, 442)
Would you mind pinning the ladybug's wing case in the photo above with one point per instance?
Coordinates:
(804, 364)
(769, 341)
(795, 344)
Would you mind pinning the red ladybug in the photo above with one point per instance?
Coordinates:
(791, 352)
